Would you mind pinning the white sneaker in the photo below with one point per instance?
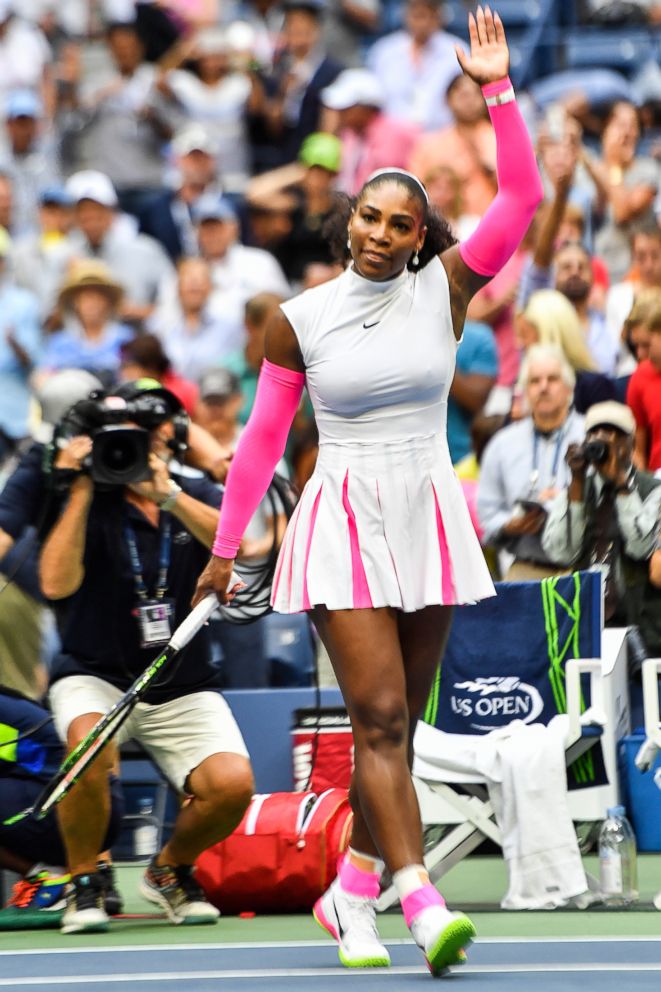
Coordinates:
(176, 890)
(442, 936)
(351, 921)
(84, 911)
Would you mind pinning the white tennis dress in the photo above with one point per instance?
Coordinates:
(383, 520)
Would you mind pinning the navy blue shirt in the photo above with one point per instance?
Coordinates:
(99, 633)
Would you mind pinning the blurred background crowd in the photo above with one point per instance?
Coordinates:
(166, 169)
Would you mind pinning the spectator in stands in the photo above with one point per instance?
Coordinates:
(212, 92)
(611, 12)
(25, 56)
(246, 363)
(40, 260)
(193, 333)
(86, 570)
(118, 123)
(135, 260)
(92, 336)
(523, 466)
(627, 184)
(6, 201)
(33, 848)
(415, 66)
(347, 25)
(237, 271)
(445, 192)
(311, 181)
(467, 145)
(370, 138)
(568, 266)
(564, 175)
(645, 274)
(635, 331)
(608, 516)
(549, 318)
(302, 70)
(143, 357)
(572, 264)
(20, 351)
(168, 216)
(30, 159)
(474, 377)
(644, 398)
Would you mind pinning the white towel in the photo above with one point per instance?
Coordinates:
(523, 767)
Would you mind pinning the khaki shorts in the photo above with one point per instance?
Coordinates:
(178, 735)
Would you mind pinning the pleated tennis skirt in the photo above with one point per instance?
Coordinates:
(381, 525)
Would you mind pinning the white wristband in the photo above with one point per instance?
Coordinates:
(171, 498)
(507, 96)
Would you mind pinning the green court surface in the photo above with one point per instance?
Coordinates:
(475, 885)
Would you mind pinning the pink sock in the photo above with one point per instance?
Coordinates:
(421, 899)
(356, 882)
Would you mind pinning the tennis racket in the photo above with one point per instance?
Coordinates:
(105, 729)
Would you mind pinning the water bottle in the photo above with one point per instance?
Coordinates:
(617, 859)
(145, 835)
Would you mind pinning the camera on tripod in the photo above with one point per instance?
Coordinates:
(119, 430)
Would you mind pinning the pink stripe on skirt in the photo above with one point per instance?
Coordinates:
(362, 598)
(447, 578)
(313, 520)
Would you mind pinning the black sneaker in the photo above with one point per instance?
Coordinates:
(175, 889)
(113, 901)
(85, 912)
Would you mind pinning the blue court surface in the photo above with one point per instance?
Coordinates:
(585, 964)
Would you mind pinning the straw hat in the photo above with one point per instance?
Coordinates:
(89, 274)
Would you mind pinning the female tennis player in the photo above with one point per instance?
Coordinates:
(381, 545)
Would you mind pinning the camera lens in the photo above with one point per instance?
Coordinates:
(596, 452)
(120, 455)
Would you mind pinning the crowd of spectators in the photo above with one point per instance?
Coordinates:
(166, 170)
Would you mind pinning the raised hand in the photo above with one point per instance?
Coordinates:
(489, 58)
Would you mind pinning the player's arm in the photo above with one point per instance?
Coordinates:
(475, 261)
(260, 448)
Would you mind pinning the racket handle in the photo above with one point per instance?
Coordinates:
(196, 619)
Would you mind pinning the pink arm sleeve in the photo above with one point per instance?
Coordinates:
(260, 447)
(503, 226)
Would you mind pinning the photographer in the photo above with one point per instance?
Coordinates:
(120, 565)
(523, 467)
(609, 516)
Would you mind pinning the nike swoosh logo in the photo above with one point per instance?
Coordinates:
(367, 326)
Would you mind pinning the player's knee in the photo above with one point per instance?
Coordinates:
(381, 724)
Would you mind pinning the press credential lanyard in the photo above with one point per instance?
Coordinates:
(163, 559)
(534, 476)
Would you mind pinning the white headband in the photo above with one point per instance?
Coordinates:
(399, 172)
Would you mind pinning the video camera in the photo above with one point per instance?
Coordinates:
(119, 430)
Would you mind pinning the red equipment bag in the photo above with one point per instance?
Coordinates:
(282, 856)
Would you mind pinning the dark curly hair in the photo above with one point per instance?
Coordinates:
(439, 235)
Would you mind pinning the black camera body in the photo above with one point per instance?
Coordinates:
(120, 433)
(596, 452)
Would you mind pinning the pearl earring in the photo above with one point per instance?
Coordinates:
(415, 261)
(349, 242)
